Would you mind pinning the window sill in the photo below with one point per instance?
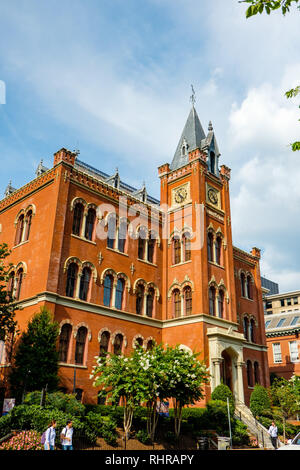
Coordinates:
(147, 262)
(117, 251)
(181, 263)
(83, 239)
(246, 298)
(216, 264)
(66, 364)
(20, 244)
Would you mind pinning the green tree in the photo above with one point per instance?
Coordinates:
(7, 307)
(286, 396)
(260, 6)
(35, 364)
(186, 378)
(260, 402)
(222, 392)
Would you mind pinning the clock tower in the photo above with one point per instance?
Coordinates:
(198, 278)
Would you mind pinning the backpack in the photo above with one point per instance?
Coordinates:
(65, 429)
(43, 438)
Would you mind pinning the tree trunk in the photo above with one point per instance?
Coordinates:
(152, 419)
(177, 417)
(128, 415)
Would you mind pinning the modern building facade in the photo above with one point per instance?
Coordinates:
(282, 323)
(117, 267)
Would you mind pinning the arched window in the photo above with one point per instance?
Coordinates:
(249, 374)
(142, 243)
(176, 303)
(111, 231)
(104, 342)
(243, 280)
(212, 301)
(77, 219)
(139, 299)
(151, 248)
(138, 342)
(118, 343)
(71, 279)
(149, 304)
(150, 345)
(108, 287)
(221, 303)
(84, 283)
(256, 373)
(176, 250)
(122, 236)
(212, 162)
(80, 345)
(20, 228)
(218, 247)
(11, 284)
(28, 221)
(188, 300)
(246, 328)
(249, 287)
(210, 246)
(187, 246)
(89, 224)
(119, 293)
(252, 326)
(20, 274)
(64, 342)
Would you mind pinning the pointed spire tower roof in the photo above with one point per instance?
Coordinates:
(190, 139)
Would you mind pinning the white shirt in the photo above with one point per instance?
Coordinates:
(67, 432)
(273, 431)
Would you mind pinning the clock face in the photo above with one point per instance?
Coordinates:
(212, 196)
(180, 195)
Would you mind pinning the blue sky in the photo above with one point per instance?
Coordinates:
(113, 79)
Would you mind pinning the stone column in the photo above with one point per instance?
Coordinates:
(216, 372)
(240, 386)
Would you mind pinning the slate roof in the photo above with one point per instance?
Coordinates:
(193, 134)
(286, 327)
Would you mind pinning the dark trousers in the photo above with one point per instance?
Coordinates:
(274, 442)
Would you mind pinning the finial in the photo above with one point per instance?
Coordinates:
(193, 96)
(210, 127)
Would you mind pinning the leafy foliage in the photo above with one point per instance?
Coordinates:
(36, 358)
(222, 392)
(260, 6)
(8, 324)
(259, 401)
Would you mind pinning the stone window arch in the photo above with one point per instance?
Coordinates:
(122, 234)
(210, 245)
(78, 214)
(138, 340)
(72, 275)
(187, 245)
(176, 296)
(249, 286)
(80, 346)
(187, 292)
(212, 300)
(104, 342)
(20, 228)
(243, 283)
(119, 342)
(111, 221)
(85, 283)
(142, 234)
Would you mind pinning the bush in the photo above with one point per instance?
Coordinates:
(100, 426)
(260, 401)
(143, 436)
(239, 433)
(5, 425)
(222, 392)
(57, 400)
(217, 416)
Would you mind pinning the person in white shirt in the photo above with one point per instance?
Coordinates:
(50, 436)
(67, 436)
(273, 431)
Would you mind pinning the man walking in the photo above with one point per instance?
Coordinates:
(273, 431)
(67, 436)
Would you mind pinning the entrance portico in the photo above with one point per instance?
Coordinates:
(226, 359)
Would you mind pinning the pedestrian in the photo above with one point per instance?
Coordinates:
(67, 436)
(50, 436)
(273, 431)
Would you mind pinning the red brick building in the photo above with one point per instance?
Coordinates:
(116, 266)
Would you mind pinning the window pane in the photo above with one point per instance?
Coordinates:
(84, 283)
(90, 221)
(107, 290)
(71, 280)
(80, 345)
(77, 219)
(119, 294)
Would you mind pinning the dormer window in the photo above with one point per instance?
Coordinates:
(184, 148)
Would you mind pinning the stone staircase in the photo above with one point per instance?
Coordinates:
(256, 429)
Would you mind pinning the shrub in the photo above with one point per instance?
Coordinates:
(222, 392)
(259, 401)
(5, 425)
(239, 433)
(217, 416)
(143, 436)
(57, 400)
